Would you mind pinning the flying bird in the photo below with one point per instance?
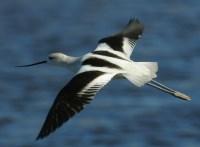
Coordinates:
(110, 60)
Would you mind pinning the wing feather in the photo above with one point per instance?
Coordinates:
(124, 41)
(72, 99)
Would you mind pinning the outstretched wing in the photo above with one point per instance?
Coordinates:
(73, 97)
(122, 43)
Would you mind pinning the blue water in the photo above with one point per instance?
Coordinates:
(121, 115)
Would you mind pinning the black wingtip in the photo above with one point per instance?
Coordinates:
(39, 138)
(133, 29)
(133, 20)
(41, 135)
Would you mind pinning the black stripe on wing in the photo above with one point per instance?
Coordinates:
(70, 101)
(109, 54)
(132, 31)
(115, 42)
(96, 62)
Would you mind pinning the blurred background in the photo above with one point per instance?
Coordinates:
(121, 114)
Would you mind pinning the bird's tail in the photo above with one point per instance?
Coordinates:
(152, 66)
(140, 73)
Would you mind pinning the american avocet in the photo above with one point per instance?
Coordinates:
(111, 59)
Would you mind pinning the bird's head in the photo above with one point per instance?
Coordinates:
(54, 59)
(57, 58)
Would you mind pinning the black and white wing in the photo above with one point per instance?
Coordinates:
(122, 43)
(73, 97)
(92, 76)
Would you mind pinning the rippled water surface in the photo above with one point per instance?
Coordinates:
(121, 115)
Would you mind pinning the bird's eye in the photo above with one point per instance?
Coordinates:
(51, 58)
